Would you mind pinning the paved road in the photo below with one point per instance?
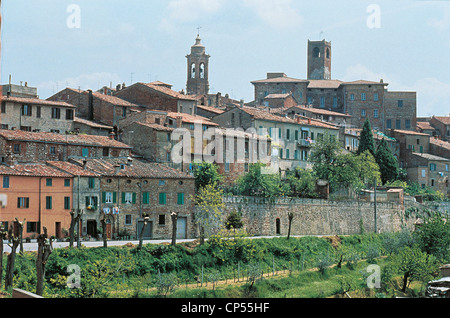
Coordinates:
(33, 246)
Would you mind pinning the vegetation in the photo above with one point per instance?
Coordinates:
(276, 267)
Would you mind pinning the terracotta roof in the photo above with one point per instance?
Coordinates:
(88, 140)
(430, 156)
(35, 101)
(112, 99)
(315, 122)
(409, 132)
(440, 143)
(116, 167)
(324, 84)
(33, 170)
(319, 111)
(211, 109)
(264, 115)
(71, 168)
(283, 79)
(363, 82)
(425, 125)
(191, 119)
(155, 126)
(443, 119)
(91, 123)
(169, 92)
(277, 96)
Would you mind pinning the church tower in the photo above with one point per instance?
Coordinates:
(198, 66)
(319, 60)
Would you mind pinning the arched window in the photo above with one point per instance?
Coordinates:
(278, 226)
(328, 53)
(316, 52)
(193, 70)
(202, 70)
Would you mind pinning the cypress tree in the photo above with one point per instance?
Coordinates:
(387, 162)
(366, 141)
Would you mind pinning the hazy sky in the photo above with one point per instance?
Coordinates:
(52, 44)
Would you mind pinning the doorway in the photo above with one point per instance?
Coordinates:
(181, 228)
(278, 226)
(92, 228)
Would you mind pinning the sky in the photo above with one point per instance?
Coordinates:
(87, 44)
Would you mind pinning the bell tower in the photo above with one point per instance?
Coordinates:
(319, 60)
(197, 69)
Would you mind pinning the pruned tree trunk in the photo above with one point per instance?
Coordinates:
(74, 220)
(2, 237)
(290, 218)
(20, 229)
(104, 234)
(174, 216)
(141, 236)
(45, 248)
(13, 244)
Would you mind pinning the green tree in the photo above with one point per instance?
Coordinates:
(414, 265)
(323, 156)
(206, 173)
(387, 162)
(233, 221)
(433, 237)
(368, 168)
(257, 183)
(209, 203)
(366, 141)
(302, 183)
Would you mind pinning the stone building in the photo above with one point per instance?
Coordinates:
(158, 96)
(34, 114)
(329, 116)
(319, 60)
(131, 189)
(400, 110)
(23, 146)
(442, 126)
(95, 106)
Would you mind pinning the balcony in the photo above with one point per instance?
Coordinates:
(305, 143)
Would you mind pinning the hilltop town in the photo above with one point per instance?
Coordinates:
(123, 155)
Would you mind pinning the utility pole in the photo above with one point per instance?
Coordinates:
(375, 204)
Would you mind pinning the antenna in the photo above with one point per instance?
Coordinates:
(320, 35)
(198, 30)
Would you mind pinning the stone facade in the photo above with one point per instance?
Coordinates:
(400, 109)
(319, 60)
(316, 217)
(197, 69)
(442, 125)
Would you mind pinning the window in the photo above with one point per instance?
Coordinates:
(106, 152)
(67, 182)
(288, 134)
(32, 227)
(53, 150)
(128, 219)
(38, 111)
(363, 112)
(407, 123)
(296, 134)
(446, 167)
(85, 152)
(49, 182)
(388, 123)
(180, 198)
(400, 103)
(146, 198)
(26, 110)
(375, 97)
(432, 182)
(48, 203)
(316, 52)
(363, 96)
(56, 113)
(352, 96)
(91, 182)
(23, 203)
(124, 112)
(424, 173)
(109, 197)
(5, 182)
(322, 101)
(227, 167)
(296, 154)
(287, 154)
(69, 114)
(66, 203)
(335, 102)
(129, 197)
(91, 202)
(375, 113)
(432, 166)
(281, 153)
(398, 124)
(162, 219)
(3, 107)
(310, 100)
(16, 148)
(162, 198)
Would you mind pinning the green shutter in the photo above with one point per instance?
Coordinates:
(180, 198)
(145, 198)
(103, 197)
(114, 197)
(162, 198)
(123, 197)
(134, 198)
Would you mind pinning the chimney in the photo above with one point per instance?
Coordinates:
(179, 121)
(91, 105)
(241, 103)
(309, 121)
(130, 162)
(84, 164)
(111, 135)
